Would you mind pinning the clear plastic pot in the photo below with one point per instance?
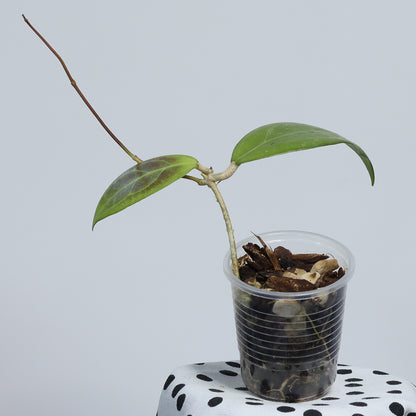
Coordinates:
(289, 341)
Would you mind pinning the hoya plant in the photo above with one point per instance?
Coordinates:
(146, 177)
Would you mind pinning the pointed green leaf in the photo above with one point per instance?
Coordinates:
(141, 181)
(278, 138)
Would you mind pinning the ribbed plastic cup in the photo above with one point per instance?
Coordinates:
(289, 341)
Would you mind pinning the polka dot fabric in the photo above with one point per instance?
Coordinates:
(216, 389)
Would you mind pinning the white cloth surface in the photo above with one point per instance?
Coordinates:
(216, 389)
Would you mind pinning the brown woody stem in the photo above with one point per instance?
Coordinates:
(74, 84)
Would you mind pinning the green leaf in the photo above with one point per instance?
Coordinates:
(141, 181)
(278, 138)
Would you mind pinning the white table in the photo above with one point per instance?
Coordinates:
(216, 389)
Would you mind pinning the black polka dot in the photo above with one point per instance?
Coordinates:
(228, 373)
(393, 382)
(354, 393)
(411, 414)
(370, 398)
(343, 365)
(168, 381)
(330, 398)
(216, 390)
(286, 409)
(344, 371)
(357, 414)
(359, 404)
(380, 373)
(312, 412)
(397, 409)
(176, 389)
(255, 403)
(353, 379)
(203, 377)
(321, 404)
(215, 401)
(353, 385)
(242, 388)
(233, 364)
(180, 401)
(395, 392)
(199, 364)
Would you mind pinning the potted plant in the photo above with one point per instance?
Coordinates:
(288, 287)
(288, 308)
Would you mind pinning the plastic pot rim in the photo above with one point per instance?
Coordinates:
(330, 247)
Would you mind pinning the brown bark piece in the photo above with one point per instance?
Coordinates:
(284, 256)
(309, 257)
(246, 272)
(277, 283)
(258, 256)
(287, 284)
(306, 261)
(270, 254)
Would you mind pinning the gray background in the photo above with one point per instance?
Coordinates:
(93, 322)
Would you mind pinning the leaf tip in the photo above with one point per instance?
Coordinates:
(371, 172)
(373, 177)
(96, 219)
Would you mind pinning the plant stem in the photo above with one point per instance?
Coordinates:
(74, 84)
(209, 177)
(218, 177)
(228, 224)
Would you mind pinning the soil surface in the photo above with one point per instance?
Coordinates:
(280, 270)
